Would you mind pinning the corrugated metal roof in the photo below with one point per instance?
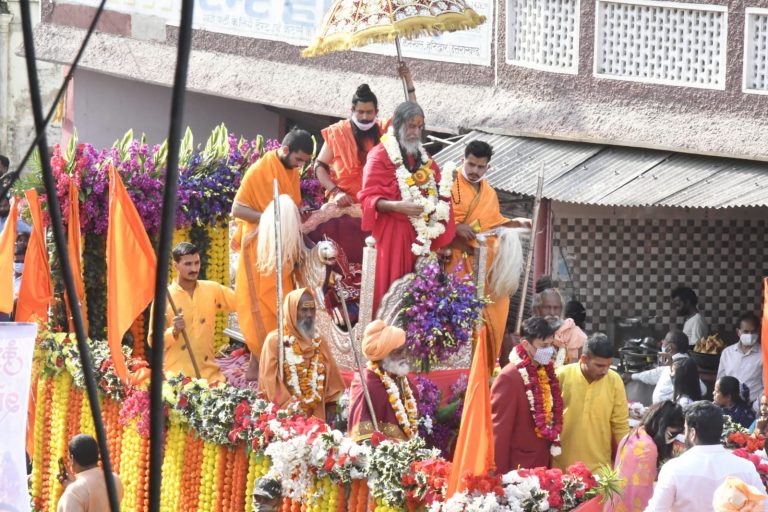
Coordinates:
(618, 176)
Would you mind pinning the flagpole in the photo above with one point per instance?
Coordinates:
(186, 337)
(531, 246)
(279, 258)
(400, 60)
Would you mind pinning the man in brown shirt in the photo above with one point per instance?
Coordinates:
(87, 492)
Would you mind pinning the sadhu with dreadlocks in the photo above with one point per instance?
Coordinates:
(339, 166)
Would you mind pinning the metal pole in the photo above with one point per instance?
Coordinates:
(60, 241)
(279, 258)
(157, 419)
(400, 59)
(186, 338)
(531, 246)
(359, 363)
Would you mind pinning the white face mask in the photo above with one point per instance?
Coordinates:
(363, 126)
(748, 339)
(544, 355)
(18, 268)
(464, 173)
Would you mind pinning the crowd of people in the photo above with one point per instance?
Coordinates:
(555, 400)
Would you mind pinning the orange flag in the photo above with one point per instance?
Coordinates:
(131, 268)
(74, 249)
(474, 444)
(764, 331)
(7, 243)
(36, 291)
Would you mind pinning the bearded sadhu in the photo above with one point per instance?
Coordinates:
(310, 374)
(386, 375)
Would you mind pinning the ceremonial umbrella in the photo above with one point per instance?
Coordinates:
(354, 23)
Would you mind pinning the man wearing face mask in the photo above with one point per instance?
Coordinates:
(744, 360)
(339, 165)
(596, 412)
(522, 435)
(569, 338)
(687, 483)
(476, 209)
(392, 396)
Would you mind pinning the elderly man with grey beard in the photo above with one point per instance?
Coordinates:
(393, 398)
(405, 200)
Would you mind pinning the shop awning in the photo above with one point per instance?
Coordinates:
(618, 176)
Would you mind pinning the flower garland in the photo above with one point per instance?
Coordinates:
(420, 187)
(543, 391)
(309, 386)
(406, 410)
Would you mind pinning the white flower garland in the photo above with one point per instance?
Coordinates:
(433, 199)
(316, 371)
(407, 414)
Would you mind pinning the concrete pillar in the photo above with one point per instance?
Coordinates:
(5, 49)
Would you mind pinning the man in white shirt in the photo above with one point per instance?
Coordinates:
(674, 347)
(685, 301)
(688, 482)
(744, 360)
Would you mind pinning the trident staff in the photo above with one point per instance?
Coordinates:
(279, 259)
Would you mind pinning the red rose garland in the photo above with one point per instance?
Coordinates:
(534, 390)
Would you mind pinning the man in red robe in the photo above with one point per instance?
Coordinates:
(520, 440)
(396, 166)
(393, 399)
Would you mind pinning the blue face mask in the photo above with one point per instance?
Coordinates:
(18, 268)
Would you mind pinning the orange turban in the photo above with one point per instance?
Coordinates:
(736, 496)
(380, 339)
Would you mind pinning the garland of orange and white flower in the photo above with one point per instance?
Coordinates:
(544, 397)
(406, 410)
(419, 187)
(307, 385)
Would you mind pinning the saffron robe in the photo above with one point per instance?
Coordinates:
(269, 377)
(516, 444)
(481, 210)
(256, 191)
(348, 160)
(199, 312)
(393, 232)
(360, 426)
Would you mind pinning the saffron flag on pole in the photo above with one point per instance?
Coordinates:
(7, 244)
(474, 444)
(131, 268)
(764, 331)
(36, 291)
(74, 248)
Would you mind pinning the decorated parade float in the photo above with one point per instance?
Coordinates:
(222, 439)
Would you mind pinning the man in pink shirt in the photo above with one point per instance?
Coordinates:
(87, 492)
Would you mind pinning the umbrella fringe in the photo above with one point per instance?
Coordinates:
(410, 28)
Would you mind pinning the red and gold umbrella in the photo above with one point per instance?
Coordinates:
(354, 23)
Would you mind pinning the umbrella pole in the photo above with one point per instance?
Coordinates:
(400, 59)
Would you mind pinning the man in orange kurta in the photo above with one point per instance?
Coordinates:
(476, 209)
(256, 292)
(339, 165)
(318, 389)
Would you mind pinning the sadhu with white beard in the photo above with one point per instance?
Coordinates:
(392, 396)
(310, 374)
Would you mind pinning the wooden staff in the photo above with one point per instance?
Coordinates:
(358, 362)
(186, 338)
(279, 258)
(531, 246)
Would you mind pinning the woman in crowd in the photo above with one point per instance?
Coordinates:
(642, 451)
(729, 395)
(685, 381)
